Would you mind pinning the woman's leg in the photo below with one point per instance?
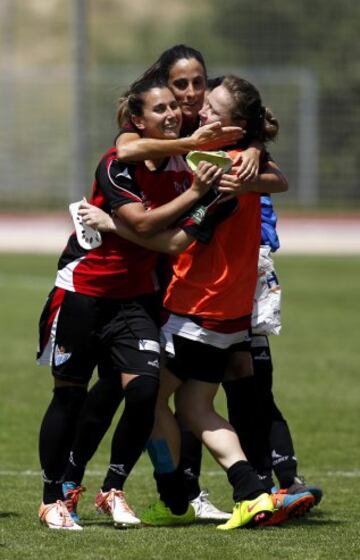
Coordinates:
(247, 412)
(164, 448)
(133, 429)
(100, 406)
(197, 412)
(56, 435)
(128, 442)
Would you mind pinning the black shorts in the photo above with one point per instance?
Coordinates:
(79, 332)
(203, 362)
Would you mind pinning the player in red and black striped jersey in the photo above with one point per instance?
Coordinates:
(97, 315)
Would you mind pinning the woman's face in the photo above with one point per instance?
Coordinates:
(161, 116)
(217, 107)
(188, 83)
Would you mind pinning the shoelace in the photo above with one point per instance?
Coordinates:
(73, 497)
(204, 495)
(120, 495)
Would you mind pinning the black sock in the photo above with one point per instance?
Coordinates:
(190, 462)
(99, 408)
(283, 455)
(52, 491)
(245, 482)
(248, 417)
(283, 460)
(56, 436)
(171, 489)
(133, 430)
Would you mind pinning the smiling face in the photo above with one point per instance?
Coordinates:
(161, 114)
(187, 81)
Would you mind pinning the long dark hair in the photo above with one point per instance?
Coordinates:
(168, 58)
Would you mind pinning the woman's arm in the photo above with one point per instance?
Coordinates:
(146, 223)
(271, 180)
(172, 241)
(131, 147)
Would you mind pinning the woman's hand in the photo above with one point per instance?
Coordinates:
(95, 217)
(246, 164)
(232, 184)
(205, 176)
(213, 136)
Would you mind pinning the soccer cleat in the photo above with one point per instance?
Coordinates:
(289, 506)
(206, 511)
(72, 493)
(113, 503)
(299, 485)
(159, 515)
(250, 513)
(56, 516)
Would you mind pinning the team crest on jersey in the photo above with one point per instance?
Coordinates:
(60, 355)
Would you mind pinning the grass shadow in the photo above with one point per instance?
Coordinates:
(5, 514)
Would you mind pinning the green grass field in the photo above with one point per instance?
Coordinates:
(317, 386)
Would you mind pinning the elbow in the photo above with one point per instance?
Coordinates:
(123, 153)
(174, 250)
(144, 229)
(284, 185)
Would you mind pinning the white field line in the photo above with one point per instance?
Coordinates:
(142, 471)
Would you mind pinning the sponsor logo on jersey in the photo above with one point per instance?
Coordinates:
(60, 355)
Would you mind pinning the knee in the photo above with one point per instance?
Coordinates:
(72, 396)
(189, 413)
(141, 391)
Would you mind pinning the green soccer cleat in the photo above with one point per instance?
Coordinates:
(159, 515)
(249, 513)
